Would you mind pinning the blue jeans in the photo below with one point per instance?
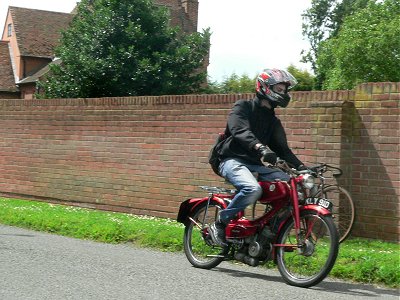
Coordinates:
(239, 174)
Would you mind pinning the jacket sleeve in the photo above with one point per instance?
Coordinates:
(239, 124)
(279, 145)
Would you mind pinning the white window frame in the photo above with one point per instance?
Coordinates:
(9, 30)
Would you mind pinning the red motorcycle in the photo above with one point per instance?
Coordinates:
(295, 230)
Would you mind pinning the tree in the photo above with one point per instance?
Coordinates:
(363, 51)
(238, 84)
(323, 21)
(234, 83)
(304, 78)
(126, 48)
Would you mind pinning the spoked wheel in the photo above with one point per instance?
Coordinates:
(343, 209)
(197, 244)
(306, 261)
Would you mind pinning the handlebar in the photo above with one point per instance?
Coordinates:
(317, 170)
(322, 168)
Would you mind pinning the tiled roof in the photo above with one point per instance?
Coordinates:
(7, 81)
(37, 76)
(38, 31)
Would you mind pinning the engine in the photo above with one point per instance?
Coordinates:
(261, 247)
(257, 248)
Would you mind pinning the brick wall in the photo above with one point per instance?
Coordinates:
(145, 155)
(375, 158)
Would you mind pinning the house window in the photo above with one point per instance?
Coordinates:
(9, 30)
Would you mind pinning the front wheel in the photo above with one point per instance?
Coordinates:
(306, 258)
(197, 244)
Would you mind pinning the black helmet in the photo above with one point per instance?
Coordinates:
(269, 78)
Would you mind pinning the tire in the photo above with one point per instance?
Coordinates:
(197, 243)
(308, 265)
(343, 209)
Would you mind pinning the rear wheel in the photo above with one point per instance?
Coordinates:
(343, 209)
(198, 246)
(308, 259)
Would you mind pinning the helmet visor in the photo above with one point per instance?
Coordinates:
(280, 88)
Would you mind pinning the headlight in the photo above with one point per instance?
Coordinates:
(308, 181)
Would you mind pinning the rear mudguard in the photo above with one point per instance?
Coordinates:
(188, 206)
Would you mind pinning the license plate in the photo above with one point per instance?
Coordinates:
(320, 202)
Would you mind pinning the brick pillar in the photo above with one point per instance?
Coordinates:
(192, 9)
(376, 160)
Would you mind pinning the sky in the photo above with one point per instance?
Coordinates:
(247, 36)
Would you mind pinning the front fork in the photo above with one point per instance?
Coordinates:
(296, 209)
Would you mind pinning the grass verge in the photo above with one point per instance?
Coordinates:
(360, 260)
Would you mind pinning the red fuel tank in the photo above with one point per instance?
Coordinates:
(274, 191)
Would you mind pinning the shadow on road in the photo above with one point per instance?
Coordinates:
(356, 289)
(339, 287)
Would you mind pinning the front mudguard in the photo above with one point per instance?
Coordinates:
(289, 217)
(310, 207)
(319, 209)
(188, 206)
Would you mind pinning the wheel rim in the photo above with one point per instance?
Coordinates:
(198, 244)
(313, 259)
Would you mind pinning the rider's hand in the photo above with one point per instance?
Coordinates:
(267, 155)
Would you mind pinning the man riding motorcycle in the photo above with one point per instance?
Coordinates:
(253, 132)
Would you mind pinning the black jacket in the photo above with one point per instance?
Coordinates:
(249, 124)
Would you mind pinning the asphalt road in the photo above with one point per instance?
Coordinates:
(35, 265)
